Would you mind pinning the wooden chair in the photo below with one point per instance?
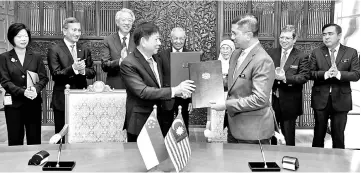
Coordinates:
(95, 114)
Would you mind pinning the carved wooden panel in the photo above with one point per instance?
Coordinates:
(198, 18)
(54, 14)
(319, 14)
(232, 9)
(84, 11)
(29, 14)
(108, 9)
(292, 13)
(265, 11)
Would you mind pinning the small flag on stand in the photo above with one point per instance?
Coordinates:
(151, 142)
(177, 143)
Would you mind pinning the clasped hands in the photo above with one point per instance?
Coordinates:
(79, 66)
(280, 74)
(31, 93)
(184, 89)
(123, 54)
(332, 72)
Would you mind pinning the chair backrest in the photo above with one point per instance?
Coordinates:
(95, 114)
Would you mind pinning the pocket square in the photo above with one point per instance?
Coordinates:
(345, 60)
(294, 66)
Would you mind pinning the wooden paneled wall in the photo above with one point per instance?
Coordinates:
(205, 23)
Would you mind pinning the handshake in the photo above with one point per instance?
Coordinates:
(332, 72)
(184, 89)
(79, 66)
(31, 93)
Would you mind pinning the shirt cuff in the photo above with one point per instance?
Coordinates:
(173, 92)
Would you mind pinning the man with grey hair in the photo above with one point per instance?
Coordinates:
(292, 71)
(250, 78)
(178, 39)
(69, 63)
(117, 47)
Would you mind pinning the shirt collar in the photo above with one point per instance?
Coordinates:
(246, 51)
(68, 44)
(336, 48)
(288, 51)
(121, 36)
(175, 50)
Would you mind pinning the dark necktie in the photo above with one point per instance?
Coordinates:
(124, 45)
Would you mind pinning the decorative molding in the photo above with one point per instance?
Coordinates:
(98, 86)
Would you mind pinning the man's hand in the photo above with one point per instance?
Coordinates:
(217, 106)
(333, 71)
(184, 88)
(79, 65)
(280, 74)
(190, 108)
(31, 93)
(123, 54)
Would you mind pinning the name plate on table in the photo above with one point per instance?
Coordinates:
(179, 65)
(207, 77)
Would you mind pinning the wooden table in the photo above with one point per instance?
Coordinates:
(206, 157)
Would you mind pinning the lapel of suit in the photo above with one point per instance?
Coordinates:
(65, 48)
(28, 59)
(277, 57)
(341, 52)
(291, 58)
(232, 66)
(117, 42)
(145, 64)
(326, 55)
(15, 60)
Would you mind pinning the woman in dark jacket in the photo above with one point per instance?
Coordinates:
(23, 76)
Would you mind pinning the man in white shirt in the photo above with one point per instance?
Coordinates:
(332, 67)
(292, 71)
(116, 47)
(69, 63)
(143, 79)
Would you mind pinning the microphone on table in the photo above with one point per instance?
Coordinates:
(59, 165)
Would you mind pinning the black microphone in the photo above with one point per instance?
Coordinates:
(59, 165)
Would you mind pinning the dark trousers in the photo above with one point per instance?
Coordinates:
(131, 137)
(231, 139)
(338, 125)
(28, 116)
(59, 121)
(288, 126)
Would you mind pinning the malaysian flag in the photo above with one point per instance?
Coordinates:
(177, 143)
(151, 142)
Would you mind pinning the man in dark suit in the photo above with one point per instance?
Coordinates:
(69, 63)
(178, 38)
(117, 47)
(292, 71)
(142, 76)
(332, 66)
(250, 78)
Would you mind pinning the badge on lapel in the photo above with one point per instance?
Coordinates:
(242, 76)
(294, 66)
(13, 60)
(345, 60)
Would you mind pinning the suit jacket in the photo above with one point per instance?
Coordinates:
(250, 115)
(110, 59)
(165, 57)
(297, 73)
(14, 76)
(143, 90)
(348, 63)
(60, 65)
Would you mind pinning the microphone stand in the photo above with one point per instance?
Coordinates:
(59, 152)
(263, 166)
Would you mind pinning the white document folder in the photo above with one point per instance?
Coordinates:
(32, 78)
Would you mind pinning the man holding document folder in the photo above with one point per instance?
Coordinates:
(250, 79)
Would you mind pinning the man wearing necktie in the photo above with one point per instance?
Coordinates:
(292, 71)
(143, 78)
(117, 46)
(178, 39)
(332, 67)
(250, 117)
(69, 63)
